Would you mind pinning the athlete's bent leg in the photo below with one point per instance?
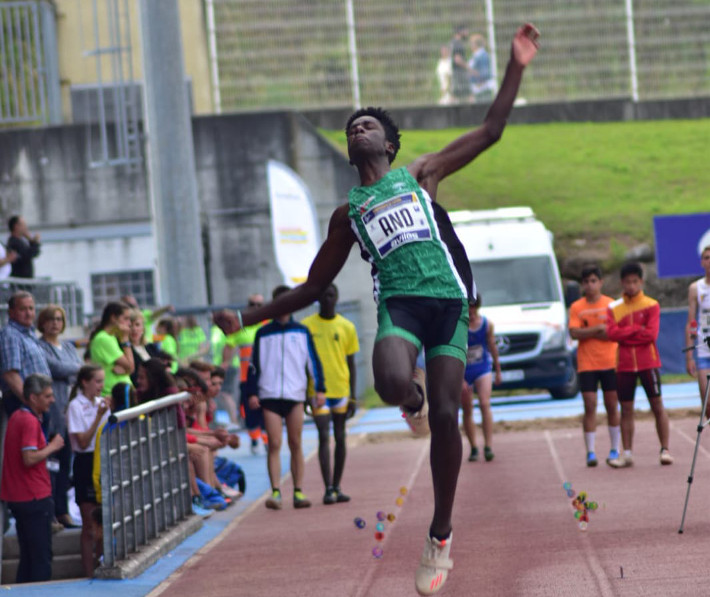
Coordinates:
(393, 361)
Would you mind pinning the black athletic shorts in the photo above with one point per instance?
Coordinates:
(439, 325)
(279, 406)
(83, 470)
(589, 380)
(626, 383)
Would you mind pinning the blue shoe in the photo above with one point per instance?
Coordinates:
(198, 509)
(211, 498)
(613, 455)
(591, 459)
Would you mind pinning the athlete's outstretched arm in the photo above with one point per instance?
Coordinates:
(328, 262)
(431, 168)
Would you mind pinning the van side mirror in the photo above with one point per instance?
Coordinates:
(572, 292)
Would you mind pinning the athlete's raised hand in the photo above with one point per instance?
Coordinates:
(525, 44)
(227, 321)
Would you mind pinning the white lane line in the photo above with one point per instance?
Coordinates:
(592, 560)
(364, 588)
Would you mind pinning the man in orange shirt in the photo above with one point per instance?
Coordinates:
(596, 361)
(633, 322)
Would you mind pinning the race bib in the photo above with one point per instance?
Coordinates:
(396, 222)
(474, 354)
(704, 320)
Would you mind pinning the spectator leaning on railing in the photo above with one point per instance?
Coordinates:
(20, 352)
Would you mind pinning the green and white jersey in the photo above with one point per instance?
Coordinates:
(399, 235)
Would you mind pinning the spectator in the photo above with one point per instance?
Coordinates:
(336, 342)
(166, 334)
(25, 244)
(136, 336)
(242, 343)
(149, 315)
(20, 352)
(633, 321)
(25, 481)
(460, 86)
(698, 361)
(109, 345)
(192, 341)
(7, 258)
(596, 361)
(481, 362)
(64, 363)
(483, 85)
(86, 413)
(443, 76)
(277, 382)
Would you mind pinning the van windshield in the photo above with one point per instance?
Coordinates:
(515, 281)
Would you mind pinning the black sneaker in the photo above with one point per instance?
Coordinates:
(300, 500)
(488, 453)
(340, 496)
(330, 496)
(473, 457)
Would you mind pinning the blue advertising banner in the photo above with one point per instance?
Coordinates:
(679, 241)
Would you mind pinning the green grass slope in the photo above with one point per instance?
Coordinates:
(584, 180)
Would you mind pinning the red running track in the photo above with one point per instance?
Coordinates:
(514, 530)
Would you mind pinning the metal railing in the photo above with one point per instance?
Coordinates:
(144, 476)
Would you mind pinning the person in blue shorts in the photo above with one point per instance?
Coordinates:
(481, 361)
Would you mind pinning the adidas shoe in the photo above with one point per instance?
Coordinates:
(229, 492)
(273, 502)
(300, 500)
(434, 566)
(592, 459)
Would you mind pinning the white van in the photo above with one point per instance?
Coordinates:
(516, 274)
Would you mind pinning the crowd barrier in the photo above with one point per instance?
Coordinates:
(144, 480)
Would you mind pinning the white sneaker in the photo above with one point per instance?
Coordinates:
(230, 492)
(434, 566)
(623, 461)
(666, 457)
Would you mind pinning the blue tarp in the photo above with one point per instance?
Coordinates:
(671, 340)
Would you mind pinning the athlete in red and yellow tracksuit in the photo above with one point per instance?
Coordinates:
(633, 322)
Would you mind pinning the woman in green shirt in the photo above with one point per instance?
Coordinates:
(110, 347)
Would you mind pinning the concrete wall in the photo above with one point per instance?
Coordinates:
(99, 220)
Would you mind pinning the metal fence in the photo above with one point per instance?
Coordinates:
(144, 477)
(29, 79)
(321, 53)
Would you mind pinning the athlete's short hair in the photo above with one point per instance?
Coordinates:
(384, 118)
(475, 301)
(591, 270)
(705, 248)
(631, 268)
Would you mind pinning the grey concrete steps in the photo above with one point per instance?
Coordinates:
(66, 562)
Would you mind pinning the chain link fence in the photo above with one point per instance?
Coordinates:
(336, 53)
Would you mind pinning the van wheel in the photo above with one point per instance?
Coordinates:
(569, 390)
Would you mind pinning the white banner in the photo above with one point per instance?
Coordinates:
(294, 225)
